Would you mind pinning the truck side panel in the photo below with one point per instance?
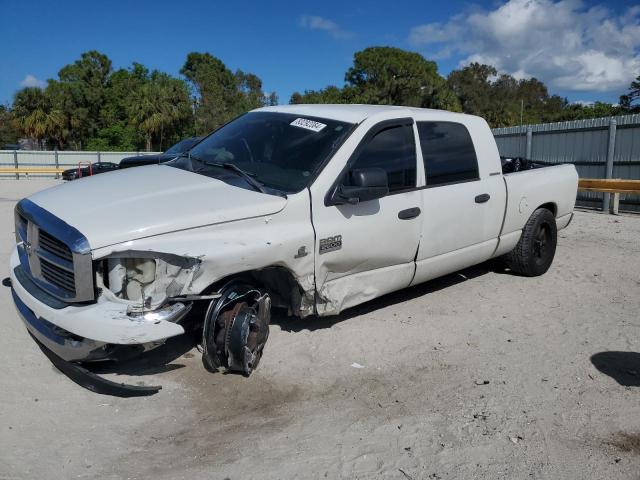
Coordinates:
(530, 189)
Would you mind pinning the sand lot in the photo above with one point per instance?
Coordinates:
(480, 374)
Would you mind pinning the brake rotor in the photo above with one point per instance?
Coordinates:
(246, 332)
(238, 331)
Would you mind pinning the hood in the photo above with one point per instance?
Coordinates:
(129, 204)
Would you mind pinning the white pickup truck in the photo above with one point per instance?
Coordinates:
(314, 208)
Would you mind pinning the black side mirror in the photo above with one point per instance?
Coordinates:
(365, 184)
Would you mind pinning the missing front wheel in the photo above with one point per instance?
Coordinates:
(236, 329)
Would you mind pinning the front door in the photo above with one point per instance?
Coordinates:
(366, 250)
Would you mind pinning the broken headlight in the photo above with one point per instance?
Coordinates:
(146, 280)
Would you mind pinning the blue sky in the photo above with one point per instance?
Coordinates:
(585, 50)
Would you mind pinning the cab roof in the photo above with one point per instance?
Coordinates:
(357, 113)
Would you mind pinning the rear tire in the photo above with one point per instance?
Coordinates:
(536, 248)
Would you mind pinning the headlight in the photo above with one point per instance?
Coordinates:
(128, 277)
(146, 280)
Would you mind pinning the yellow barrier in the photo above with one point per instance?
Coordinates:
(616, 186)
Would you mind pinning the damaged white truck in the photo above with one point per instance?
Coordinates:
(313, 208)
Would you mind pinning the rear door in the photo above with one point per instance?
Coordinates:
(463, 204)
(366, 250)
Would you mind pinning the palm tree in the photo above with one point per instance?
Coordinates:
(159, 104)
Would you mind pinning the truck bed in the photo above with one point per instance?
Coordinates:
(553, 186)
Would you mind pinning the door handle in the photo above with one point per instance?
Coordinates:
(483, 198)
(409, 213)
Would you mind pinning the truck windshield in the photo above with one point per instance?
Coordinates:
(183, 145)
(281, 151)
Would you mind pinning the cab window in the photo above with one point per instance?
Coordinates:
(393, 150)
(448, 153)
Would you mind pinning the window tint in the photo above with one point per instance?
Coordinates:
(393, 150)
(448, 153)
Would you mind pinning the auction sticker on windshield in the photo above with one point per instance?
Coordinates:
(308, 124)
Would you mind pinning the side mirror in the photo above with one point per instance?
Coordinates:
(365, 184)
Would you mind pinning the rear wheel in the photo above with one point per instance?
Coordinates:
(536, 248)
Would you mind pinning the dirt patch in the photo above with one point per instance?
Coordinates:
(625, 442)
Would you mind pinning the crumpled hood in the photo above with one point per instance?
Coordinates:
(139, 202)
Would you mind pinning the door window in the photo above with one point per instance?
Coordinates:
(393, 150)
(448, 153)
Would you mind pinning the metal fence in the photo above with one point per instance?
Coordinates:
(58, 159)
(598, 147)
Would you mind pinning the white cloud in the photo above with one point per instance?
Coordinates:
(31, 81)
(313, 22)
(564, 43)
(584, 103)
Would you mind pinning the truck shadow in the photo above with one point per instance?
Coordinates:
(292, 324)
(623, 367)
(158, 360)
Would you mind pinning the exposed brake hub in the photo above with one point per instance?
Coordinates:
(236, 329)
(247, 330)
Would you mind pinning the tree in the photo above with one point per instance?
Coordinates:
(472, 86)
(627, 101)
(501, 99)
(250, 94)
(391, 76)
(162, 105)
(80, 94)
(36, 117)
(387, 76)
(215, 90)
(220, 95)
(331, 94)
(272, 99)
(8, 131)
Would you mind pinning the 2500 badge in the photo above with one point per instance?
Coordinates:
(330, 244)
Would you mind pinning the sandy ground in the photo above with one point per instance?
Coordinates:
(480, 374)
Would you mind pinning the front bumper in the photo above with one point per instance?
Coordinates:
(87, 332)
(67, 346)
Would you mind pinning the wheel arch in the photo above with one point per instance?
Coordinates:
(551, 206)
(283, 286)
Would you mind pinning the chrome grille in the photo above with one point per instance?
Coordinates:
(54, 246)
(55, 255)
(57, 275)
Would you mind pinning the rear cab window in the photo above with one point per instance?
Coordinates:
(448, 153)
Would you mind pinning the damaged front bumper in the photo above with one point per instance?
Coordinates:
(90, 332)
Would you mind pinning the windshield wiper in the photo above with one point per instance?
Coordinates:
(234, 168)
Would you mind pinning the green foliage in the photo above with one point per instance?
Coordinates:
(214, 89)
(272, 99)
(90, 105)
(161, 106)
(391, 76)
(219, 94)
(502, 100)
(330, 94)
(8, 130)
(387, 76)
(36, 115)
(631, 101)
(117, 137)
